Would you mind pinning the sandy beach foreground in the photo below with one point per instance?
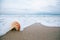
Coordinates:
(34, 32)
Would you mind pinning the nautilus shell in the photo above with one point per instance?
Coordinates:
(15, 25)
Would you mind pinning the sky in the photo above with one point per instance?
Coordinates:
(29, 6)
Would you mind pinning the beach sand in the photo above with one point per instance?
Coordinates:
(36, 31)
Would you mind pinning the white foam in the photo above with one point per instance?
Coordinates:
(5, 22)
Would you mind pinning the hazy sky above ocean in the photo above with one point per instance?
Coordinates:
(29, 6)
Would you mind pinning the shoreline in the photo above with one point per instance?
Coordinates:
(34, 32)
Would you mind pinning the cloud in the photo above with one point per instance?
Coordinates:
(29, 6)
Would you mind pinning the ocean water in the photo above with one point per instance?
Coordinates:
(27, 20)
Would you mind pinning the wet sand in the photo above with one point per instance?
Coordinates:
(36, 31)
